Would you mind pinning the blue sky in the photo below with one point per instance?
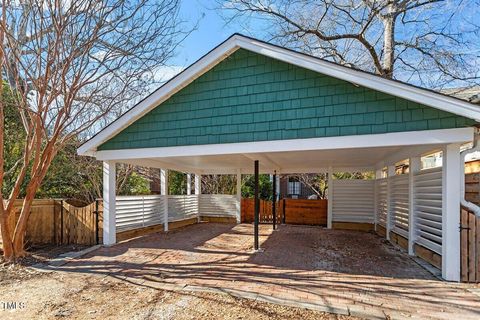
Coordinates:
(210, 32)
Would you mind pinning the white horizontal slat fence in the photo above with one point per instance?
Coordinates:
(218, 205)
(382, 198)
(399, 202)
(428, 208)
(134, 212)
(182, 207)
(353, 201)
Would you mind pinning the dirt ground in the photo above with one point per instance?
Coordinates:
(62, 295)
(36, 254)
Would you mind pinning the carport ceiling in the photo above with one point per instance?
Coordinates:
(287, 161)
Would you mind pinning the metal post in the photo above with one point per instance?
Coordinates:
(257, 208)
(274, 200)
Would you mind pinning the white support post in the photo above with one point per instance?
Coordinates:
(164, 192)
(330, 199)
(378, 175)
(198, 192)
(109, 198)
(278, 186)
(239, 196)
(451, 213)
(415, 165)
(189, 184)
(388, 223)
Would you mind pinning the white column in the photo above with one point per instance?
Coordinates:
(109, 195)
(164, 192)
(278, 186)
(239, 196)
(388, 224)
(414, 167)
(451, 213)
(378, 175)
(189, 184)
(330, 199)
(198, 192)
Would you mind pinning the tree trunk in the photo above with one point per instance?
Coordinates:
(388, 42)
(7, 244)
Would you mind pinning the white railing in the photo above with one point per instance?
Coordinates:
(182, 207)
(353, 201)
(218, 205)
(382, 205)
(428, 208)
(399, 203)
(134, 212)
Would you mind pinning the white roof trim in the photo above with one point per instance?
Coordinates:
(235, 42)
(407, 138)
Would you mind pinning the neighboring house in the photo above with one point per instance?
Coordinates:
(292, 188)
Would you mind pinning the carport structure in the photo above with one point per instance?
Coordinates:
(247, 100)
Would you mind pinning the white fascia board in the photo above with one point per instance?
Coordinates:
(395, 88)
(160, 95)
(409, 138)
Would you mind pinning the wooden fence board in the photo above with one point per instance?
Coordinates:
(296, 211)
(469, 247)
(464, 246)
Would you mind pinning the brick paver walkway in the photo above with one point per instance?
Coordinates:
(331, 270)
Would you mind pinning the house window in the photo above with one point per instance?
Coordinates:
(294, 187)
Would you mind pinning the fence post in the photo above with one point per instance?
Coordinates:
(284, 210)
(61, 221)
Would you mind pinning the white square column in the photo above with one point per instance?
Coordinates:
(415, 165)
(451, 213)
(388, 223)
(239, 196)
(109, 198)
(164, 192)
(378, 175)
(189, 184)
(198, 192)
(330, 198)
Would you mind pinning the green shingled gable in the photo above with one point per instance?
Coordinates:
(250, 97)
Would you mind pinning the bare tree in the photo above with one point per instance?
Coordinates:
(428, 42)
(69, 64)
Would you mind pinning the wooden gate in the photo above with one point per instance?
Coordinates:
(296, 211)
(307, 212)
(470, 247)
(265, 216)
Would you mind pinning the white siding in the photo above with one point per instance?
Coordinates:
(353, 201)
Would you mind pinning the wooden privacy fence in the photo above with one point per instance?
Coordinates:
(310, 212)
(472, 187)
(295, 211)
(266, 207)
(57, 222)
(470, 247)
